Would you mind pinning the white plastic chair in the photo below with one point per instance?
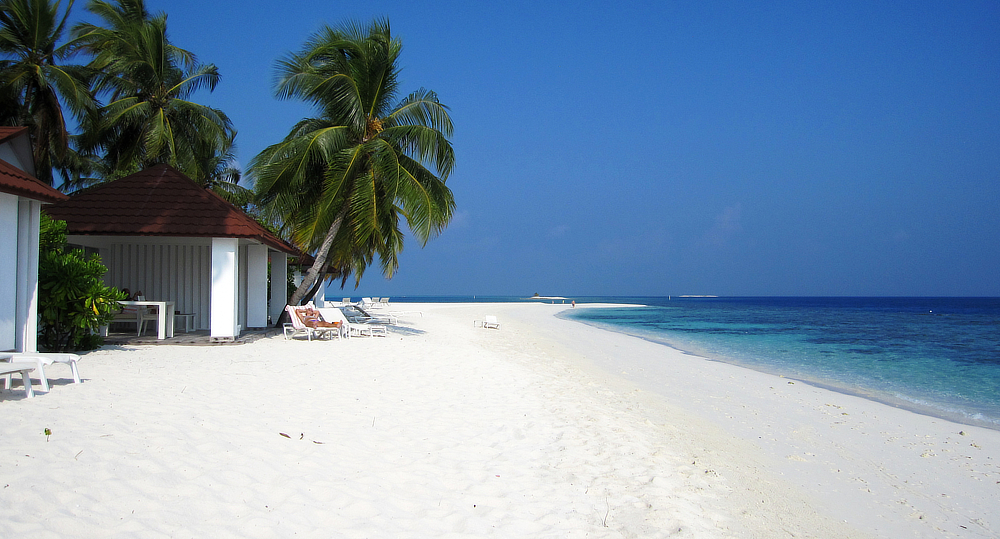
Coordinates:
(146, 315)
(41, 359)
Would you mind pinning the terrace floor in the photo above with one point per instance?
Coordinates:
(192, 338)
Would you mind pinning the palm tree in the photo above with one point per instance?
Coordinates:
(215, 170)
(339, 183)
(147, 80)
(35, 87)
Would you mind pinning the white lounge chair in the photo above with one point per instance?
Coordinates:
(490, 322)
(298, 327)
(365, 316)
(356, 329)
(40, 359)
(8, 369)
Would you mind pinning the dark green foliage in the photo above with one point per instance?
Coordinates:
(147, 83)
(73, 301)
(37, 86)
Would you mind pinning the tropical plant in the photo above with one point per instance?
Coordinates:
(148, 118)
(340, 182)
(73, 301)
(35, 86)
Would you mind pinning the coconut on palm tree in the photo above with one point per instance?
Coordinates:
(341, 182)
(148, 118)
(35, 85)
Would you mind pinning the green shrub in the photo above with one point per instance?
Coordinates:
(73, 301)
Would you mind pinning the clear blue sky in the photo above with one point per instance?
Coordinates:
(655, 148)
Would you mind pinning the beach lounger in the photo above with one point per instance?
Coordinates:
(298, 327)
(8, 369)
(356, 329)
(364, 316)
(40, 359)
(490, 322)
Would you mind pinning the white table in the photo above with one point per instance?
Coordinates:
(164, 316)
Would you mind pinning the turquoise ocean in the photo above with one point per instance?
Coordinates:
(936, 356)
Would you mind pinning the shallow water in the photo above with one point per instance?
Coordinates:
(939, 356)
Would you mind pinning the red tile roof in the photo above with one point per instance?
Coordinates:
(159, 201)
(18, 182)
(7, 132)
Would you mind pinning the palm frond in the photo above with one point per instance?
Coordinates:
(353, 172)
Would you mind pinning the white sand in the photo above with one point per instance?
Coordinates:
(445, 430)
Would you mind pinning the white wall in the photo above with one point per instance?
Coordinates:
(8, 270)
(225, 287)
(8, 155)
(241, 287)
(26, 312)
(18, 153)
(256, 285)
(179, 273)
(279, 290)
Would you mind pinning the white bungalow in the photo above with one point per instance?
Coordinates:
(160, 233)
(21, 197)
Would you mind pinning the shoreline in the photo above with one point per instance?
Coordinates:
(798, 429)
(931, 409)
(548, 427)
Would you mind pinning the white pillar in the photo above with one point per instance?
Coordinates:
(256, 286)
(320, 298)
(279, 287)
(8, 270)
(225, 269)
(28, 217)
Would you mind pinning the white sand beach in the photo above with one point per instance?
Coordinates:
(544, 428)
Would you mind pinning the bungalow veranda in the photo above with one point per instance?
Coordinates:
(160, 233)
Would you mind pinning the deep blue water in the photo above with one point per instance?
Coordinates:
(939, 356)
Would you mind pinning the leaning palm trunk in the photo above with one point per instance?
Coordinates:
(319, 263)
